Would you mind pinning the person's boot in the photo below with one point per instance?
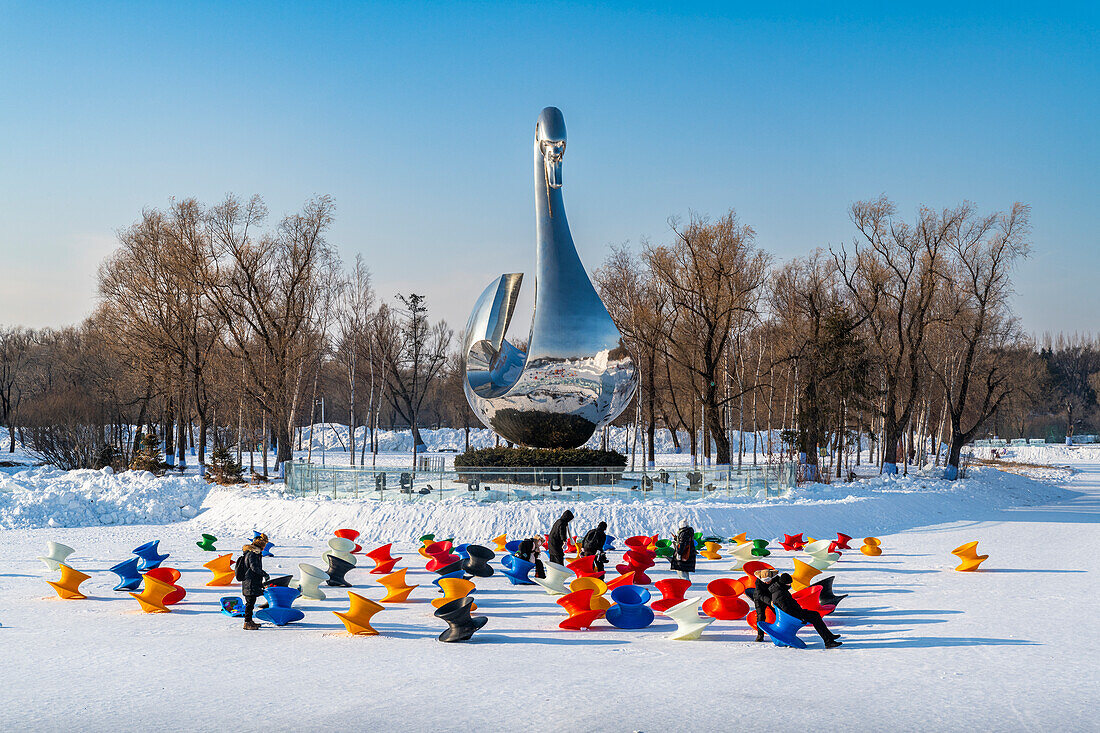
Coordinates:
(251, 626)
(759, 637)
(833, 643)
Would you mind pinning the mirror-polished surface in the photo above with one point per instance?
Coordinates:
(576, 374)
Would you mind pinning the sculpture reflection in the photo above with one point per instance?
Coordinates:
(576, 374)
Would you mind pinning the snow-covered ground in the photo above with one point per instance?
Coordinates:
(1007, 648)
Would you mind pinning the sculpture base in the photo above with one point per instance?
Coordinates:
(541, 466)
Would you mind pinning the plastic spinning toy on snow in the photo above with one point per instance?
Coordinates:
(710, 551)
(501, 540)
(67, 586)
(792, 542)
(150, 557)
(578, 605)
(871, 547)
(397, 590)
(664, 548)
(357, 618)
(969, 556)
(151, 598)
(841, 542)
(689, 625)
(56, 554)
(760, 548)
(742, 554)
(585, 567)
(310, 578)
(598, 588)
(169, 576)
(637, 562)
(439, 556)
(827, 596)
(769, 616)
(221, 566)
(341, 548)
(477, 560)
(383, 561)
(516, 570)
(672, 593)
(349, 534)
(784, 632)
(810, 600)
(207, 542)
(338, 567)
(630, 610)
(554, 582)
(460, 624)
(280, 610)
(232, 606)
(454, 570)
(725, 602)
(453, 589)
(803, 574)
(129, 578)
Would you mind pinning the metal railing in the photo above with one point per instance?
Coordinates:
(436, 483)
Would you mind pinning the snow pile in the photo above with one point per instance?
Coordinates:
(1049, 454)
(47, 497)
(880, 505)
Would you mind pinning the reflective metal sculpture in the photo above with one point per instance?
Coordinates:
(576, 374)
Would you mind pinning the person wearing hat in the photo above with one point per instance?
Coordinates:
(593, 544)
(559, 535)
(250, 571)
(682, 560)
(774, 590)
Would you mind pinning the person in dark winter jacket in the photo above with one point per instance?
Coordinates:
(683, 555)
(250, 571)
(593, 543)
(774, 590)
(559, 535)
(529, 551)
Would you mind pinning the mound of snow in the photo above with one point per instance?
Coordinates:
(883, 505)
(47, 497)
(1049, 454)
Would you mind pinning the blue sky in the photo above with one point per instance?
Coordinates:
(417, 118)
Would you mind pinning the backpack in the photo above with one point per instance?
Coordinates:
(239, 572)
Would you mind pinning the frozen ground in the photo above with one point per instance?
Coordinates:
(1009, 648)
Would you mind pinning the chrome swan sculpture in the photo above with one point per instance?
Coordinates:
(576, 374)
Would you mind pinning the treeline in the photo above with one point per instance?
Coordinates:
(218, 327)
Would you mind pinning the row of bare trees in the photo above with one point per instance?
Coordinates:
(216, 328)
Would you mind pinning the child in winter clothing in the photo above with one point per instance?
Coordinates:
(250, 571)
(773, 589)
(683, 554)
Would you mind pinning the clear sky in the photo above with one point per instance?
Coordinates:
(418, 118)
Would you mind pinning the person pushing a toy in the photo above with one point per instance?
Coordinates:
(250, 571)
(593, 543)
(774, 590)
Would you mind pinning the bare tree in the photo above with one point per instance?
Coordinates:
(893, 273)
(713, 276)
(15, 349)
(354, 313)
(272, 292)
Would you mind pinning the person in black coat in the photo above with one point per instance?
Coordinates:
(250, 571)
(774, 590)
(559, 535)
(529, 551)
(683, 554)
(593, 545)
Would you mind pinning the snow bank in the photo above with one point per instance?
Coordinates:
(47, 497)
(1049, 454)
(881, 505)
